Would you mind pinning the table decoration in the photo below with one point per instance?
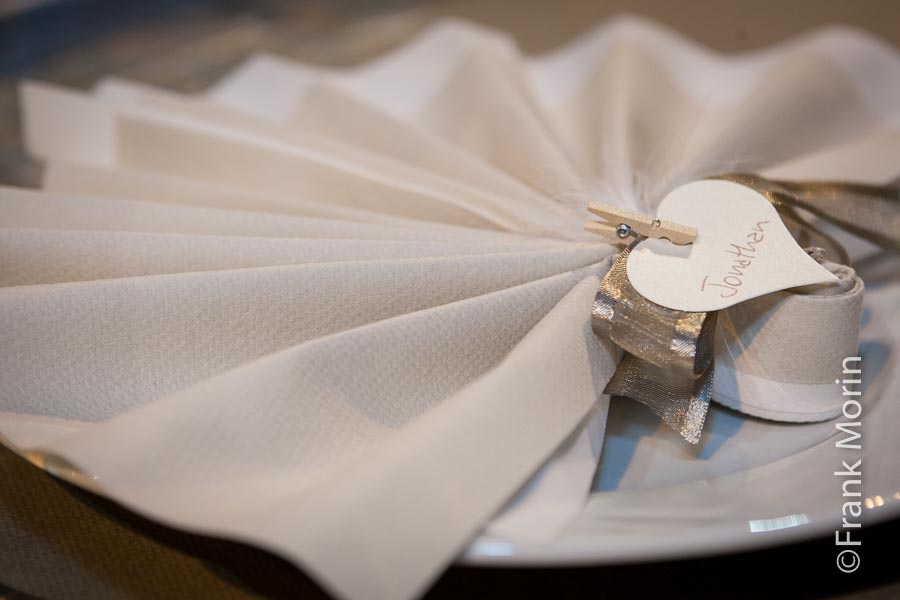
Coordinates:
(352, 316)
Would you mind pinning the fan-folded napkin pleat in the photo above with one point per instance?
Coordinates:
(344, 314)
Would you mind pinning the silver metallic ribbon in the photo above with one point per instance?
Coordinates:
(868, 211)
(668, 363)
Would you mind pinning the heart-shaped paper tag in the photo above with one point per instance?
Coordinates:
(742, 250)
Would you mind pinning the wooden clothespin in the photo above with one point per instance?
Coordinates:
(621, 223)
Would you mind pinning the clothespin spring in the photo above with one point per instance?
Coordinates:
(630, 223)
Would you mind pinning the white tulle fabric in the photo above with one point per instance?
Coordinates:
(345, 315)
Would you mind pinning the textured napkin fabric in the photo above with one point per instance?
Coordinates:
(789, 344)
(345, 315)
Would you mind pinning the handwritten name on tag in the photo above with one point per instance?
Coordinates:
(742, 250)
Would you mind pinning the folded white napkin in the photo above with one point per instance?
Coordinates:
(345, 315)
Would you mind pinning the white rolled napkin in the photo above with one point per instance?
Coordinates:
(789, 344)
(345, 314)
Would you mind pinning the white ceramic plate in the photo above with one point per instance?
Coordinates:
(751, 483)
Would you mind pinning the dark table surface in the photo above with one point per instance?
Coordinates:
(57, 541)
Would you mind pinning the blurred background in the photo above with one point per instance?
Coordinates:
(187, 44)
